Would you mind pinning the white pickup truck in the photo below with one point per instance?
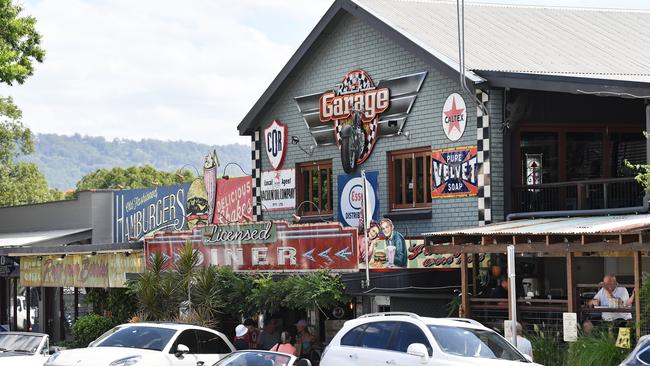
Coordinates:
(22, 313)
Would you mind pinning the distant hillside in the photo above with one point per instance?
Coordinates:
(65, 159)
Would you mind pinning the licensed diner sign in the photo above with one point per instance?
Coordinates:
(264, 246)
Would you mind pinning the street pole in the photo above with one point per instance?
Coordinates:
(364, 216)
(513, 293)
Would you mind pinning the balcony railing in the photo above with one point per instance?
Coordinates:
(578, 195)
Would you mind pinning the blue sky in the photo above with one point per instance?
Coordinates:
(154, 69)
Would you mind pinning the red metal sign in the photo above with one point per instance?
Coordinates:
(278, 247)
(234, 202)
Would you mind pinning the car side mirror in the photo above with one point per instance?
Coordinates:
(303, 362)
(52, 350)
(418, 350)
(181, 349)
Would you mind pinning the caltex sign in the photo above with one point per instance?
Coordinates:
(275, 138)
(454, 117)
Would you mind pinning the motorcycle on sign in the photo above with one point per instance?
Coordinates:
(353, 139)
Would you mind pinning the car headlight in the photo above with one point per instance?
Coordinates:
(126, 361)
(51, 359)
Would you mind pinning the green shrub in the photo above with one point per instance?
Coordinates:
(597, 349)
(89, 327)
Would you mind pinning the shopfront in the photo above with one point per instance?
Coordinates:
(438, 156)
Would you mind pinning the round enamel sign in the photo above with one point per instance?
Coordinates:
(454, 117)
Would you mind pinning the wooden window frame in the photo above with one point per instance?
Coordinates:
(309, 209)
(562, 131)
(424, 152)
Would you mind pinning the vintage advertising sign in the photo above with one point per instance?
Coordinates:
(79, 270)
(275, 139)
(234, 200)
(350, 189)
(454, 117)
(139, 212)
(534, 169)
(356, 92)
(265, 246)
(279, 190)
(454, 172)
(410, 253)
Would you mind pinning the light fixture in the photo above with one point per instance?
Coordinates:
(179, 171)
(226, 177)
(406, 134)
(297, 218)
(296, 141)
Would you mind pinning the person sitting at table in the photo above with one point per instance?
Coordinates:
(608, 293)
(501, 292)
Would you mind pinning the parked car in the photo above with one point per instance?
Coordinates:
(149, 344)
(261, 358)
(22, 313)
(24, 349)
(640, 355)
(408, 339)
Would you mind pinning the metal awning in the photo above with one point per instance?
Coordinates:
(563, 234)
(561, 225)
(43, 238)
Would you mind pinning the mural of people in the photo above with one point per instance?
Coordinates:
(395, 244)
(373, 238)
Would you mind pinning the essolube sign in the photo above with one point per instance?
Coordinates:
(351, 198)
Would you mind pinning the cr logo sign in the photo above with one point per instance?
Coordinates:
(275, 138)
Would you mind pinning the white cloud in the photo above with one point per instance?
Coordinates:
(157, 69)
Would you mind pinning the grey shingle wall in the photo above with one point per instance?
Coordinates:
(355, 45)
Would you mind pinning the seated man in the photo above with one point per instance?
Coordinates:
(610, 291)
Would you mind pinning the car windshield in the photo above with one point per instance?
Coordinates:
(144, 337)
(24, 343)
(480, 343)
(254, 358)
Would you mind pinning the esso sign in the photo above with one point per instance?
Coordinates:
(275, 141)
(351, 201)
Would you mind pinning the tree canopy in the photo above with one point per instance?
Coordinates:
(19, 44)
(132, 177)
(20, 182)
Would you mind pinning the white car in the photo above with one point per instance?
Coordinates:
(261, 358)
(406, 339)
(22, 313)
(149, 344)
(24, 349)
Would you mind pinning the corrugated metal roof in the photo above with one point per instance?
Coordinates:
(35, 237)
(560, 226)
(579, 42)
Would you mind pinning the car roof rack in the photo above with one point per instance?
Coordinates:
(391, 313)
(466, 320)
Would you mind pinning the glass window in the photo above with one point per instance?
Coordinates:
(351, 338)
(210, 343)
(377, 335)
(187, 338)
(584, 155)
(408, 334)
(480, 343)
(644, 356)
(315, 186)
(410, 178)
(546, 144)
(626, 146)
(20, 343)
(153, 338)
